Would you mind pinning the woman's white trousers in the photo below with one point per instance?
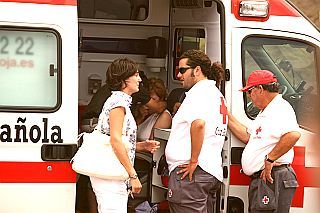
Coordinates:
(112, 196)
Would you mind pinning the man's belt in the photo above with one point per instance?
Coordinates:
(274, 168)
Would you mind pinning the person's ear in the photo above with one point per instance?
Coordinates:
(123, 84)
(198, 70)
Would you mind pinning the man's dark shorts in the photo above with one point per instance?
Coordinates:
(198, 195)
(276, 197)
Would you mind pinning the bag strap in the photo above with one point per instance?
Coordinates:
(124, 126)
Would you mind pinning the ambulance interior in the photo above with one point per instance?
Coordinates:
(155, 36)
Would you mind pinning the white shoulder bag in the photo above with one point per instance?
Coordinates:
(95, 157)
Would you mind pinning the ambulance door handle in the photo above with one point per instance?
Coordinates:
(52, 152)
(225, 172)
(52, 70)
(227, 75)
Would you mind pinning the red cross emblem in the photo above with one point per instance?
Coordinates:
(223, 110)
(265, 200)
(258, 130)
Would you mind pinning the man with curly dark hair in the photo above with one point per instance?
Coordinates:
(193, 151)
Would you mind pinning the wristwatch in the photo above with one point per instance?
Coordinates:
(268, 159)
(134, 176)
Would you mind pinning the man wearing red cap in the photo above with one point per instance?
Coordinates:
(269, 151)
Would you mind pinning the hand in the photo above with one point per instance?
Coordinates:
(266, 173)
(136, 185)
(151, 146)
(188, 169)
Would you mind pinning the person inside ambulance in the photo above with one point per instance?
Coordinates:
(147, 119)
(269, 140)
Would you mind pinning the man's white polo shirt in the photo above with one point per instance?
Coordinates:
(277, 119)
(203, 101)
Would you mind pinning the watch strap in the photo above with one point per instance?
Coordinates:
(268, 159)
(134, 176)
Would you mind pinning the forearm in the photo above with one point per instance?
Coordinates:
(286, 142)
(197, 132)
(238, 129)
(140, 146)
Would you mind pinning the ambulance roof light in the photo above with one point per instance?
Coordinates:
(254, 8)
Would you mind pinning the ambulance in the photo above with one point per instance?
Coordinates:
(53, 58)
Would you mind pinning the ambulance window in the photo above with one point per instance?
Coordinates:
(295, 65)
(29, 69)
(114, 9)
(187, 39)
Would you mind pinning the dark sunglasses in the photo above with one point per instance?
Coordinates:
(184, 69)
(251, 88)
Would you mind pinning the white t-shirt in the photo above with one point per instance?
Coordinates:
(277, 119)
(203, 101)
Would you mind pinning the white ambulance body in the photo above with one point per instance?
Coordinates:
(43, 86)
(38, 116)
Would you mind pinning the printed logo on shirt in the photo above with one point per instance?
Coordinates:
(221, 131)
(223, 111)
(258, 131)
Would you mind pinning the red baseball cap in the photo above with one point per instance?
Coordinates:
(259, 77)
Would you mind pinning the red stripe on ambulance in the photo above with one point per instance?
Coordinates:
(282, 8)
(53, 2)
(36, 172)
(307, 176)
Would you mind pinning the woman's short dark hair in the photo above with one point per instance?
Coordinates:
(118, 71)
